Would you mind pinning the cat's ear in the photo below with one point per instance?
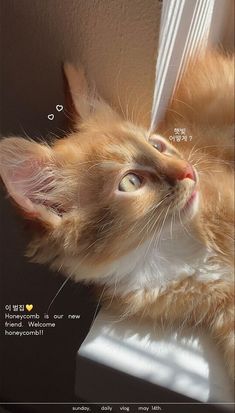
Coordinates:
(85, 101)
(79, 91)
(30, 176)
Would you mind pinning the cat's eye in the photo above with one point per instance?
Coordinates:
(131, 182)
(159, 145)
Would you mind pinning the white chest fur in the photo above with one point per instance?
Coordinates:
(151, 266)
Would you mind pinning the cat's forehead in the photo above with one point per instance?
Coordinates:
(128, 143)
(121, 142)
(124, 144)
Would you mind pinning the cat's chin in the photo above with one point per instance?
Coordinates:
(191, 206)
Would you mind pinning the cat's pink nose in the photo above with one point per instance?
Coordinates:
(178, 170)
(187, 172)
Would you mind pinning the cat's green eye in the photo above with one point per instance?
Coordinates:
(130, 183)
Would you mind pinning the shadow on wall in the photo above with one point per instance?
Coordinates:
(31, 81)
(116, 41)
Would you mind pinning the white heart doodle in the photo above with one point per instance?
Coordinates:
(59, 108)
(51, 116)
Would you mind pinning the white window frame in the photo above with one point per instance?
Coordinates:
(186, 26)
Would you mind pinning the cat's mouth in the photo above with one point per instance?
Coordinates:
(192, 199)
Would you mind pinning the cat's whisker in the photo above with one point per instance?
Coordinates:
(97, 307)
(157, 224)
(177, 113)
(184, 103)
(171, 226)
(154, 228)
(114, 292)
(148, 230)
(214, 146)
(60, 289)
(56, 295)
(185, 228)
(154, 222)
(162, 227)
(201, 159)
(68, 115)
(142, 113)
(127, 99)
(134, 106)
(127, 112)
(215, 161)
(191, 153)
(152, 214)
(118, 95)
(210, 171)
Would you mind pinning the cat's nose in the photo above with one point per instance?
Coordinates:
(178, 171)
(187, 172)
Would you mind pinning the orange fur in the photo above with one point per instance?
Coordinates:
(96, 233)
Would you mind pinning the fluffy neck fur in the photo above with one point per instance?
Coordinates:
(157, 263)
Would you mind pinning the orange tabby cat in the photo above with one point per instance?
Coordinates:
(147, 219)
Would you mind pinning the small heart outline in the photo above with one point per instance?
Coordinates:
(51, 116)
(59, 108)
